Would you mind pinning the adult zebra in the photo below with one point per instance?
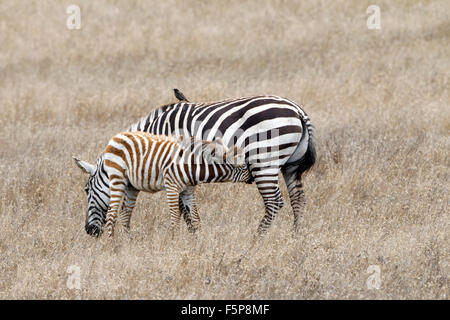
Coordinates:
(275, 134)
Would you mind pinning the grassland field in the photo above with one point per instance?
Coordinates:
(377, 198)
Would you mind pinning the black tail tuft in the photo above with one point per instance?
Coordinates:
(309, 158)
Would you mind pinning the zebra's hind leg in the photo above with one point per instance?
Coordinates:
(127, 207)
(294, 185)
(173, 199)
(185, 212)
(267, 183)
(188, 208)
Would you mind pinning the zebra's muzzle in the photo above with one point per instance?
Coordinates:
(93, 230)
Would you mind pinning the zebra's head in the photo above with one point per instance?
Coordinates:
(240, 174)
(97, 193)
(235, 158)
(232, 158)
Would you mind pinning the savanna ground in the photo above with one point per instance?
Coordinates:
(378, 195)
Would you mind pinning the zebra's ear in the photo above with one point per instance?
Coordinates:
(83, 165)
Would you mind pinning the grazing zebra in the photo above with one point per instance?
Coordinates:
(275, 134)
(140, 161)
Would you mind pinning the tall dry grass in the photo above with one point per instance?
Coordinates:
(378, 194)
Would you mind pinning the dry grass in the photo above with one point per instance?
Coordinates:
(378, 195)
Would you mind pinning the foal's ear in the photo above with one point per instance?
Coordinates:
(83, 165)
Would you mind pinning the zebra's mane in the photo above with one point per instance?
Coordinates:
(144, 122)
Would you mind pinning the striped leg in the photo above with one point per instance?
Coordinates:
(127, 207)
(188, 209)
(185, 212)
(297, 196)
(195, 218)
(267, 182)
(117, 193)
(173, 199)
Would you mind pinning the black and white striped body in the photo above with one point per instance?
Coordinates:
(275, 134)
(140, 161)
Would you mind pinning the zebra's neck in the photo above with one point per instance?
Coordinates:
(101, 174)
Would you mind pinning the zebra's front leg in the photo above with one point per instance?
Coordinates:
(294, 185)
(188, 209)
(267, 183)
(117, 193)
(128, 205)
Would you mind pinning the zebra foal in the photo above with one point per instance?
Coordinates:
(140, 161)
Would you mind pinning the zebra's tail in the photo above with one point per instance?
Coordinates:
(309, 157)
